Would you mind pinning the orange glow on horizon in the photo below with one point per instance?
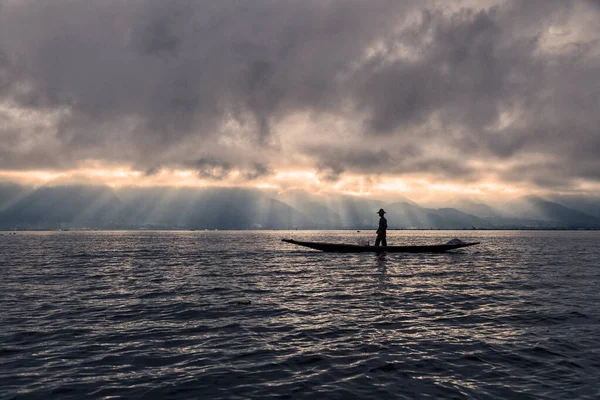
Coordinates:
(414, 187)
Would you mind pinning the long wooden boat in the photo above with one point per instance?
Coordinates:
(353, 248)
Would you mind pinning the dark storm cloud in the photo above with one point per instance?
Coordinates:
(162, 72)
(360, 159)
(461, 74)
(256, 171)
(215, 169)
(426, 86)
(330, 171)
(333, 162)
(210, 168)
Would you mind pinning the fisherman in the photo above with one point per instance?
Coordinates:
(382, 228)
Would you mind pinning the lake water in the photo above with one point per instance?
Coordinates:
(242, 315)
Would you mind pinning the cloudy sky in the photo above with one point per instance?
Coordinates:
(379, 96)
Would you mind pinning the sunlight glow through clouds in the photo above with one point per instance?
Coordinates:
(428, 100)
(413, 187)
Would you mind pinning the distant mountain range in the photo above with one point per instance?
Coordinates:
(101, 207)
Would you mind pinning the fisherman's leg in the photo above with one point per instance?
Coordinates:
(384, 239)
(378, 240)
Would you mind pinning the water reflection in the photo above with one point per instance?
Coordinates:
(382, 271)
(260, 319)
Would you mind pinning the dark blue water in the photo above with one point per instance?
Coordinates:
(243, 315)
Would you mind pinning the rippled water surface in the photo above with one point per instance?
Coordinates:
(243, 315)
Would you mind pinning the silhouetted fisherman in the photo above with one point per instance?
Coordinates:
(382, 229)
